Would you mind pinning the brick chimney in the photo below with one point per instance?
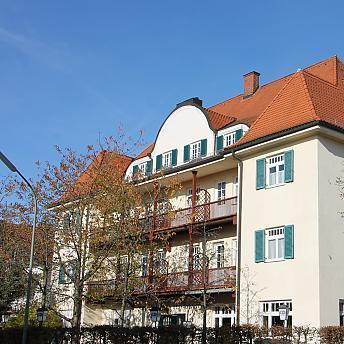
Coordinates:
(251, 83)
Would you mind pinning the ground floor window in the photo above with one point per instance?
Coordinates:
(270, 316)
(224, 316)
(341, 312)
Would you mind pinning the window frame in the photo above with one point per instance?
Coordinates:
(270, 309)
(229, 139)
(142, 168)
(275, 234)
(167, 159)
(279, 161)
(195, 147)
(221, 191)
(219, 255)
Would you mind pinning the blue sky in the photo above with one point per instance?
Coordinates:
(71, 71)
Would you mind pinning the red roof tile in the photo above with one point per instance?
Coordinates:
(146, 151)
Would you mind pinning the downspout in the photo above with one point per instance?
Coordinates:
(239, 212)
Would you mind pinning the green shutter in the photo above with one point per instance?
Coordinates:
(289, 166)
(158, 162)
(186, 153)
(204, 147)
(289, 242)
(238, 134)
(260, 174)
(174, 157)
(219, 143)
(62, 277)
(135, 169)
(149, 167)
(259, 246)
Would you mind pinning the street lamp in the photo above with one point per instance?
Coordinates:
(29, 283)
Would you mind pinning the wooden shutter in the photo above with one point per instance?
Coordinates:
(186, 153)
(203, 147)
(62, 277)
(289, 242)
(149, 167)
(259, 245)
(158, 162)
(219, 143)
(260, 174)
(135, 169)
(238, 134)
(289, 166)
(174, 157)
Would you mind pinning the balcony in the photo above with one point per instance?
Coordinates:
(203, 213)
(214, 278)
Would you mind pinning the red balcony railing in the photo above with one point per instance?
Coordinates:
(203, 213)
(172, 282)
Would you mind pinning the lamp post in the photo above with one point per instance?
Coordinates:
(29, 283)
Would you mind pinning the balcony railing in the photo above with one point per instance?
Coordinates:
(215, 278)
(203, 213)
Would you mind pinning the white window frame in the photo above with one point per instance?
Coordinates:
(144, 265)
(276, 163)
(229, 139)
(189, 196)
(219, 254)
(143, 168)
(195, 150)
(274, 244)
(270, 309)
(221, 191)
(223, 312)
(167, 159)
(235, 186)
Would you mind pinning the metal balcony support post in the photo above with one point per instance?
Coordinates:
(151, 232)
(192, 222)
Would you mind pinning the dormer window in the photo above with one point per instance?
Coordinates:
(143, 169)
(229, 139)
(195, 150)
(167, 159)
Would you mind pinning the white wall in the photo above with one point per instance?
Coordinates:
(331, 230)
(292, 203)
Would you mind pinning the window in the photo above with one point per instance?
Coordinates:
(144, 265)
(160, 262)
(275, 170)
(197, 257)
(341, 312)
(221, 191)
(235, 187)
(143, 168)
(274, 243)
(167, 159)
(195, 150)
(219, 251)
(229, 139)
(189, 197)
(270, 313)
(224, 316)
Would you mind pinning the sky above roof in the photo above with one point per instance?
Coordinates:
(74, 71)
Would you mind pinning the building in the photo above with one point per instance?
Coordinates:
(259, 198)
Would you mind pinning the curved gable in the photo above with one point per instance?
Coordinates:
(185, 125)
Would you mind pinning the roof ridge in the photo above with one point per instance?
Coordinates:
(269, 105)
(322, 80)
(308, 95)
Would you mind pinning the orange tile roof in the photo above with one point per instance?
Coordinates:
(312, 94)
(146, 151)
